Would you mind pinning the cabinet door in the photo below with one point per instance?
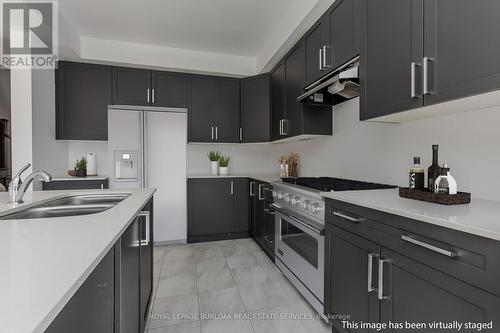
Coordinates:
(278, 112)
(201, 109)
(344, 27)
(256, 109)
(418, 293)
(130, 320)
(83, 93)
(461, 45)
(251, 206)
(240, 204)
(131, 86)
(315, 42)
(75, 185)
(259, 215)
(91, 309)
(227, 110)
(210, 207)
(294, 82)
(393, 41)
(146, 224)
(170, 89)
(347, 276)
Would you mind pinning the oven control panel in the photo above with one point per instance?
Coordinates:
(302, 202)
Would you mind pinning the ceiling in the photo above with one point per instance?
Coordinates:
(235, 27)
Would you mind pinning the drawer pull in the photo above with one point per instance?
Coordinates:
(447, 253)
(347, 217)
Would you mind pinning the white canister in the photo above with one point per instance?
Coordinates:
(215, 167)
(91, 165)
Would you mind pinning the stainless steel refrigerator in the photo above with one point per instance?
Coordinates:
(148, 149)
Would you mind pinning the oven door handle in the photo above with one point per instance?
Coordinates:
(306, 225)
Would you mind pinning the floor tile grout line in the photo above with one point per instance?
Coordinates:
(241, 298)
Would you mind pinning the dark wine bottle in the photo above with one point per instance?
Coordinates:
(434, 170)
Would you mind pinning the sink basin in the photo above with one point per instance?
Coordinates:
(74, 205)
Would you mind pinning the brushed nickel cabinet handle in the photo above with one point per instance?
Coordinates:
(425, 70)
(147, 95)
(370, 271)
(381, 263)
(347, 217)
(439, 250)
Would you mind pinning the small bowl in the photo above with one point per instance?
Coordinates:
(72, 173)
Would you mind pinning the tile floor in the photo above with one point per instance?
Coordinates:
(233, 280)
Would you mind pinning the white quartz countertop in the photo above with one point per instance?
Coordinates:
(264, 177)
(480, 217)
(68, 177)
(43, 262)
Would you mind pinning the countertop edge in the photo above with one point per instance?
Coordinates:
(490, 234)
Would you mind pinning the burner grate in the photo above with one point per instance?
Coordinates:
(334, 184)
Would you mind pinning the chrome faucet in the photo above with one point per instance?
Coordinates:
(17, 188)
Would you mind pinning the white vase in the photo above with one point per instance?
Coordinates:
(215, 167)
(224, 171)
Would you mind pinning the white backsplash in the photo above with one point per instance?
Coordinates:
(79, 149)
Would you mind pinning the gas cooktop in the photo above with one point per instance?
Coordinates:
(334, 184)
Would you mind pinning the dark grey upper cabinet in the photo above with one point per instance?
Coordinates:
(91, 308)
(278, 111)
(416, 293)
(256, 109)
(391, 59)
(344, 33)
(315, 43)
(346, 256)
(461, 48)
(210, 207)
(214, 109)
(227, 110)
(83, 93)
(169, 89)
(429, 52)
(131, 86)
(201, 109)
(294, 82)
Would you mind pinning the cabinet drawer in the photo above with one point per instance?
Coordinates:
(467, 257)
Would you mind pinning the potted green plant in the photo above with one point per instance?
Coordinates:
(214, 157)
(81, 167)
(224, 165)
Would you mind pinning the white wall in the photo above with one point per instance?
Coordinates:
(49, 154)
(382, 152)
(79, 149)
(21, 117)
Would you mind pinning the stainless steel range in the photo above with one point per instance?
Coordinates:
(300, 228)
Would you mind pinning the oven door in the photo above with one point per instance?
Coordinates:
(300, 247)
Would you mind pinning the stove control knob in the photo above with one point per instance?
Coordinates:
(275, 194)
(316, 208)
(305, 204)
(281, 195)
(296, 201)
(287, 197)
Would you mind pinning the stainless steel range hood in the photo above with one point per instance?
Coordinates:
(336, 87)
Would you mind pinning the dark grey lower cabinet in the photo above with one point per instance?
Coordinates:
(374, 275)
(262, 223)
(217, 209)
(129, 280)
(116, 296)
(346, 292)
(414, 292)
(91, 309)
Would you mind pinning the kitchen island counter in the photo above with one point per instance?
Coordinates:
(45, 261)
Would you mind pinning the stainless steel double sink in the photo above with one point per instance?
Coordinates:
(73, 205)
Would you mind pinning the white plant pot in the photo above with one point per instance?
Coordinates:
(224, 171)
(215, 167)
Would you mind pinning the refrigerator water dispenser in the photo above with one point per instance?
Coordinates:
(126, 165)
